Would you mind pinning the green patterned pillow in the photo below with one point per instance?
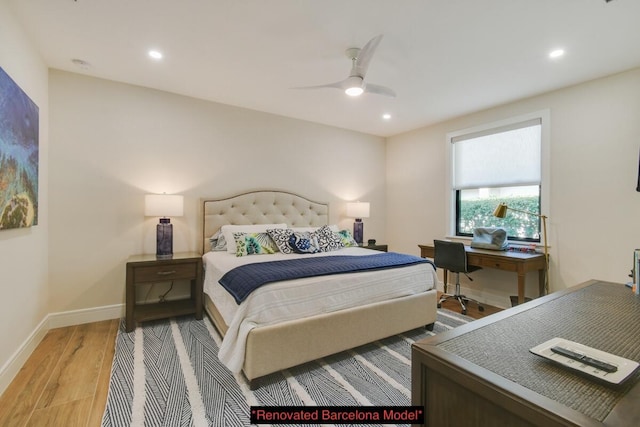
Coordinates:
(347, 238)
(254, 244)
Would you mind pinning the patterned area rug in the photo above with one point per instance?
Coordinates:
(168, 374)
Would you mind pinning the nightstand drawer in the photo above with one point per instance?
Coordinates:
(160, 273)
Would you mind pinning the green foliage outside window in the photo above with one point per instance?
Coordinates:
(479, 213)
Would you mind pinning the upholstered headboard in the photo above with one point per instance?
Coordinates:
(261, 207)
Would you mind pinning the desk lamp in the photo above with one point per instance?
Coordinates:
(164, 206)
(501, 212)
(358, 210)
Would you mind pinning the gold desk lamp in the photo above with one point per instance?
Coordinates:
(501, 212)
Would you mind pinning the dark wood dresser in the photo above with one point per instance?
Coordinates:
(483, 374)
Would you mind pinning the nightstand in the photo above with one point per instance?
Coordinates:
(148, 269)
(382, 248)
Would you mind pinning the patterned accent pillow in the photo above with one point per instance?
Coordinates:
(289, 241)
(328, 239)
(254, 244)
(229, 229)
(218, 242)
(347, 238)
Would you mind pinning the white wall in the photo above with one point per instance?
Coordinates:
(594, 207)
(112, 143)
(23, 252)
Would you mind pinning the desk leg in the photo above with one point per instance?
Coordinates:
(541, 281)
(521, 281)
(445, 277)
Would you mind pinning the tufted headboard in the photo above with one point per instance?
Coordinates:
(261, 207)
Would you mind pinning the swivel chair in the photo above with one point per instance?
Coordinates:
(452, 256)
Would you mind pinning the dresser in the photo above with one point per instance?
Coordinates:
(483, 374)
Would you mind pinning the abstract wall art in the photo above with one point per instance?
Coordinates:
(19, 152)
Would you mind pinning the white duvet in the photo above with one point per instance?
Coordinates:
(294, 299)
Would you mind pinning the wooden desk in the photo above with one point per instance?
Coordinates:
(482, 374)
(518, 262)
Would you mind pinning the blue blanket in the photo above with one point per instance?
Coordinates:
(243, 280)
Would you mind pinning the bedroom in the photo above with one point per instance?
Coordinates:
(99, 162)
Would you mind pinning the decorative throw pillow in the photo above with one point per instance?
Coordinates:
(289, 241)
(328, 239)
(254, 244)
(217, 241)
(347, 238)
(229, 229)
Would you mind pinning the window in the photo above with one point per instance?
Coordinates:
(498, 163)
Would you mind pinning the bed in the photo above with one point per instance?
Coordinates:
(262, 346)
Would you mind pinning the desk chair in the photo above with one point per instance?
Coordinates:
(453, 257)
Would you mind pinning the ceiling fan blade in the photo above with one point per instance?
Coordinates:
(354, 85)
(337, 85)
(364, 56)
(379, 90)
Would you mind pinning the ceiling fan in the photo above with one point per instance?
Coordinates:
(355, 85)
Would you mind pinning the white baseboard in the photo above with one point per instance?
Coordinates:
(86, 315)
(18, 359)
(51, 321)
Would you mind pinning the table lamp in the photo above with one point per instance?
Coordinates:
(501, 212)
(164, 206)
(358, 210)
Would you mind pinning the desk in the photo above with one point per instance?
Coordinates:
(482, 374)
(518, 262)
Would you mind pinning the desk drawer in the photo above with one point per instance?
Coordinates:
(164, 273)
(498, 264)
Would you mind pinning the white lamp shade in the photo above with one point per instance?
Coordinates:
(358, 210)
(163, 205)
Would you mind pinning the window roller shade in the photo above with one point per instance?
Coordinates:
(508, 156)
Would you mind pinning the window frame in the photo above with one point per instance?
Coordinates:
(452, 206)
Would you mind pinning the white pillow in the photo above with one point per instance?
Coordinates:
(228, 230)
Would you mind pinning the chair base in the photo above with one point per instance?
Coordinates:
(462, 299)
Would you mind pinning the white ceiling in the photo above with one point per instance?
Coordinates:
(443, 58)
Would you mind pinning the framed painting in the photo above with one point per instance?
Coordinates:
(19, 152)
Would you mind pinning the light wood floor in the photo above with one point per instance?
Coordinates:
(66, 379)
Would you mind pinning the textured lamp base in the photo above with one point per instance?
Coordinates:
(358, 229)
(164, 239)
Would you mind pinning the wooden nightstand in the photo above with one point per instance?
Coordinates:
(148, 269)
(382, 248)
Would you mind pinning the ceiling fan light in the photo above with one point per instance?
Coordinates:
(354, 86)
(354, 91)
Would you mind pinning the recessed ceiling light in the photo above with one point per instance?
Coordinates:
(386, 116)
(81, 63)
(155, 54)
(556, 53)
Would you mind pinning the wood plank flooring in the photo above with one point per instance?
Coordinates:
(66, 379)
